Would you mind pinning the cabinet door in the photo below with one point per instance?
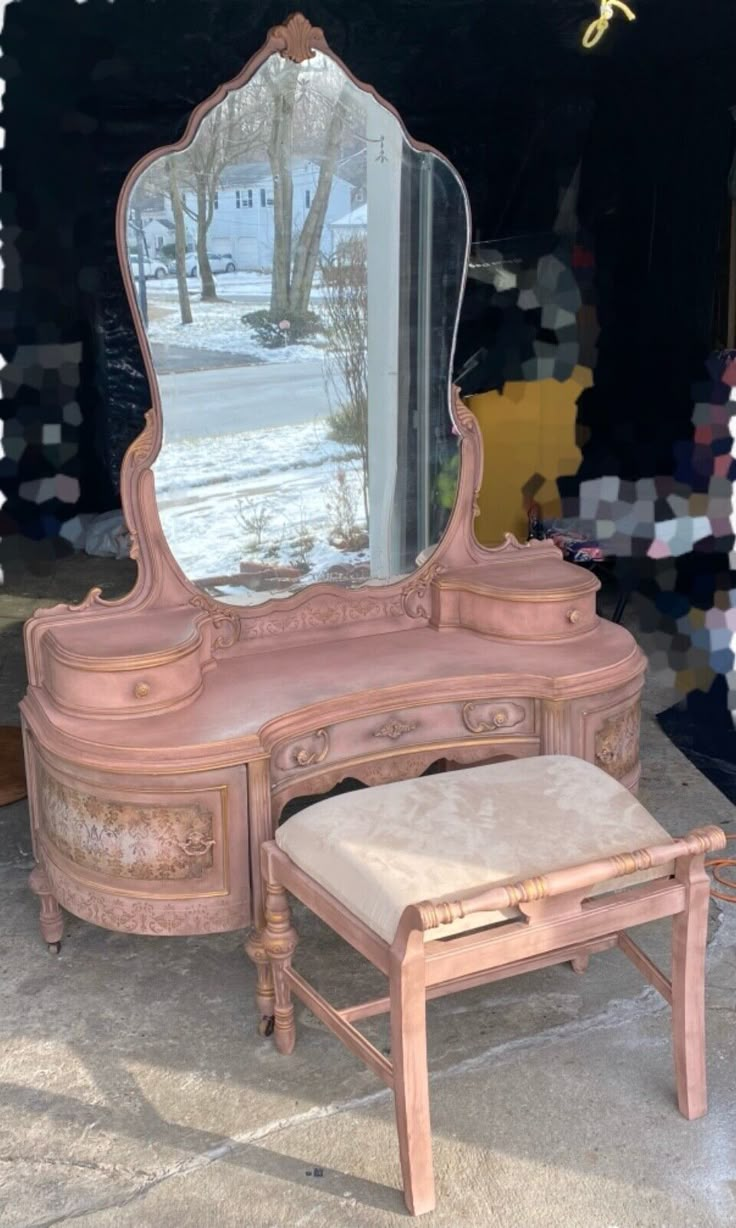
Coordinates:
(146, 854)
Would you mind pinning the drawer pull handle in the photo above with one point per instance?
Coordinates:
(308, 758)
(141, 690)
(573, 616)
(195, 845)
(502, 717)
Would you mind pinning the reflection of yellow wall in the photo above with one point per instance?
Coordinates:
(528, 428)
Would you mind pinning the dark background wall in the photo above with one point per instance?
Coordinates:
(501, 86)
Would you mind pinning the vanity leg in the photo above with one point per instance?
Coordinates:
(281, 939)
(580, 963)
(255, 949)
(51, 919)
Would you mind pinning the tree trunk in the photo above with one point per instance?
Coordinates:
(209, 292)
(308, 245)
(180, 240)
(280, 156)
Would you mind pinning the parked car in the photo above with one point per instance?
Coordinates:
(190, 263)
(152, 267)
(220, 262)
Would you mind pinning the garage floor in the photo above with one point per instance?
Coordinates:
(134, 1090)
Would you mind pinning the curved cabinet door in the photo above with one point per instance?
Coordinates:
(150, 855)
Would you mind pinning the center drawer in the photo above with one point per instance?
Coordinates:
(384, 733)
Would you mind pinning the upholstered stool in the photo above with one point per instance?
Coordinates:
(455, 880)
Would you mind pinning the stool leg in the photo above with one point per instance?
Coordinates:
(280, 941)
(411, 1082)
(689, 935)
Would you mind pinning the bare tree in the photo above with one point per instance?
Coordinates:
(185, 307)
(311, 123)
(236, 128)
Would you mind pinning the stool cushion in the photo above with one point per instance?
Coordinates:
(377, 850)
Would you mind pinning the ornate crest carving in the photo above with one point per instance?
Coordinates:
(226, 622)
(414, 597)
(297, 37)
(394, 729)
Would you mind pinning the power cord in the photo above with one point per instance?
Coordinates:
(718, 863)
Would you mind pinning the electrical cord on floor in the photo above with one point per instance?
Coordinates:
(718, 863)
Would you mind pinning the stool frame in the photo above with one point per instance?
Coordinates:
(558, 922)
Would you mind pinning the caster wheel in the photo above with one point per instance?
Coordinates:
(53, 948)
(265, 1027)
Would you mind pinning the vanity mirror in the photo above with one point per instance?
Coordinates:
(298, 267)
(311, 603)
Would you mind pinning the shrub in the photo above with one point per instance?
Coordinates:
(274, 330)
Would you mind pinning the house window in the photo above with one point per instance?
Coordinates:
(307, 198)
(244, 199)
(263, 198)
(217, 200)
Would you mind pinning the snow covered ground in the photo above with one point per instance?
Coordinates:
(249, 497)
(246, 495)
(218, 326)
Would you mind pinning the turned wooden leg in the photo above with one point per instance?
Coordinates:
(580, 964)
(411, 1081)
(689, 936)
(281, 939)
(256, 950)
(51, 919)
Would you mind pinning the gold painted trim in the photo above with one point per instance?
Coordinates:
(566, 594)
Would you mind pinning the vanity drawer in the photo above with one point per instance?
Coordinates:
(390, 732)
(110, 675)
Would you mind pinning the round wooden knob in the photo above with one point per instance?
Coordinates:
(573, 616)
(141, 689)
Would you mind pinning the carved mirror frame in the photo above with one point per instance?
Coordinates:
(160, 581)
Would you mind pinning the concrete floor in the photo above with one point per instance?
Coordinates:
(135, 1092)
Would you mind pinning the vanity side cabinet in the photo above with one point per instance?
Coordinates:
(610, 728)
(142, 854)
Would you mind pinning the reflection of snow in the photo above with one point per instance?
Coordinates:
(217, 326)
(291, 471)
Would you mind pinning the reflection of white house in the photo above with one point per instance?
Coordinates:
(242, 223)
(353, 225)
(242, 220)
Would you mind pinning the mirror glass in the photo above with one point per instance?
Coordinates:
(298, 270)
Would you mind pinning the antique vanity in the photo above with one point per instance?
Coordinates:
(311, 603)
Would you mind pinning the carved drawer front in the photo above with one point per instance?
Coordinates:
(389, 733)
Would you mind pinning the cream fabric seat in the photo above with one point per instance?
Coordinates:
(379, 849)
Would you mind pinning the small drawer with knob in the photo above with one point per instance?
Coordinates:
(92, 677)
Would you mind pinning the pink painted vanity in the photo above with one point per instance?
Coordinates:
(166, 731)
